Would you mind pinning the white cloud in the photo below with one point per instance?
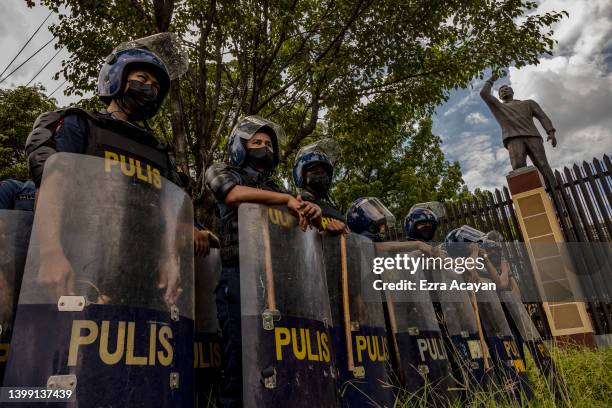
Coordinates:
(476, 117)
(466, 100)
(483, 163)
(575, 86)
(17, 24)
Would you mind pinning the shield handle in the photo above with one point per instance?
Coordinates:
(393, 324)
(345, 301)
(483, 345)
(270, 293)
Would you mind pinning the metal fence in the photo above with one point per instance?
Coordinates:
(586, 201)
(583, 199)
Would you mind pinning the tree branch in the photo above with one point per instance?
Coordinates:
(336, 41)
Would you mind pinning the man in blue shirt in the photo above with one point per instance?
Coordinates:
(17, 195)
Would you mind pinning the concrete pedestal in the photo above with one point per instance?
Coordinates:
(569, 321)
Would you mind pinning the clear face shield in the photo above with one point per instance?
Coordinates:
(378, 213)
(435, 206)
(492, 248)
(248, 126)
(425, 229)
(167, 47)
(470, 234)
(327, 147)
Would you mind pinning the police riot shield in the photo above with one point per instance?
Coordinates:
(287, 358)
(15, 228)
(538, 350)
(507, 359)
(363, 362)
(423, 365)
(460, 322)
(207, 348)
(106, 304)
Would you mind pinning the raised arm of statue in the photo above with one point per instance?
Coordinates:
(485, 93)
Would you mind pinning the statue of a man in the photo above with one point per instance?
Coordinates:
(519, 134)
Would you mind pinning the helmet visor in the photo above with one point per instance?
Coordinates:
(167, 47)
(248, 126)
(376, 211)
(470, 234)
(435, 206)
(326, 147)
(425, 229)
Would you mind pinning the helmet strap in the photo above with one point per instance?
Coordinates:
(120, 106)
(122, 110)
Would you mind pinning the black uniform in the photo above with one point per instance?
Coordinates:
(75, 130)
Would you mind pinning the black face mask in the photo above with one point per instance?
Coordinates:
(375, 233)
(426, 234)
(374, 237)
(261, 157)
(318, 183)
(141, 100)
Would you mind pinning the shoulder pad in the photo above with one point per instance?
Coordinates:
(226, 166)
(37, 138)
(42, 131)
(79, 111)
(45, 124)
(46, 119)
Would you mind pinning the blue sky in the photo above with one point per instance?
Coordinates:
(574, 87)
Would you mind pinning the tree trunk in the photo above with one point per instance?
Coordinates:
(179, 139)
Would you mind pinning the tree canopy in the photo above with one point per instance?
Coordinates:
(19, 108)
(334, 68)
(385, 156)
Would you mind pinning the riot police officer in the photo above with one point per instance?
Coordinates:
(420, 225)
(470, 242)
(369, 217)
(507, 278)
(312, 174)
(17, 195)
(133, 83)
(253, 151)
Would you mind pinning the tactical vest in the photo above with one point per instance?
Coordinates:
(229, 220)
(125, 140)
(328, 209)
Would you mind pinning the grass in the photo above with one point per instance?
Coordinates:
(586, 374)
